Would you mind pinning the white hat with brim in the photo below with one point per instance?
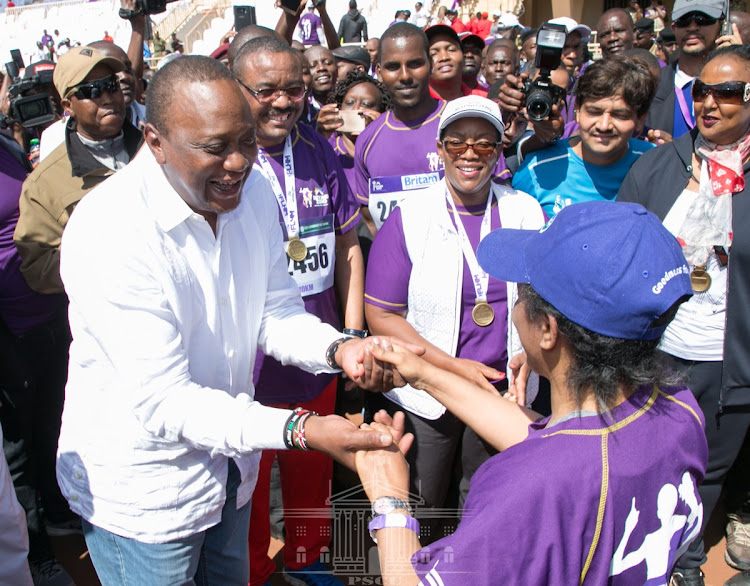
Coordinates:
(571, 26)
(471, 107)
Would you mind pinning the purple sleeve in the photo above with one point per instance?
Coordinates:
(344, 205)
(501, 174)
(389, 267)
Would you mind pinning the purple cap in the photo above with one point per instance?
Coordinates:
(609, 267)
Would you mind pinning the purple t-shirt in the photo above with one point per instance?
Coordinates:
(324, 204)
(398, 157)
(308, 28)
(346, 159)
(387, 286)
(587, 500)
(21, 308)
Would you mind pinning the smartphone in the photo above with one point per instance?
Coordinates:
(353, 122)
(15, 55)
(726, 28)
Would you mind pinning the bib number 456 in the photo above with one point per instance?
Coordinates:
(316, 259)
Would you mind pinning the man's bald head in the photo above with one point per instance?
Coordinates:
(248, 33)
(260, 45)
(742, 20)
(162, 92)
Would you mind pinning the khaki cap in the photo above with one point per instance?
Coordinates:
(74, 66)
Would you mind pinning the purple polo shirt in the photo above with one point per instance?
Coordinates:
(322, 195)
(389, 147)
(387, 286)
(20, 307)
(345, 158)
(587, 500)
(308, 28)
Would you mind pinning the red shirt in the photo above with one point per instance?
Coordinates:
(108, 39)
(483, 28)
(458, 26)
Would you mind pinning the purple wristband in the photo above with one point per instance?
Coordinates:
(393, 520)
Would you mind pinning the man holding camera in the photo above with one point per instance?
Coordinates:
(319, 214)
(612, 98)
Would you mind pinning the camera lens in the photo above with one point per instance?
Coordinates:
(33, 109)
(538, 105)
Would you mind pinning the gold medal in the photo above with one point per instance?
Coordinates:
(700, 279)
(297, 250)
(483, 314)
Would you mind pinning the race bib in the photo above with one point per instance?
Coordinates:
(387, 192)
(314, 274)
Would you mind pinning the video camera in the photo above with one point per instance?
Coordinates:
(145, 7)
(542, 94)
(28, 110)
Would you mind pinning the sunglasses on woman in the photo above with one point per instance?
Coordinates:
(483, 148)
(728, 92)
(699, 18)
(95, 89)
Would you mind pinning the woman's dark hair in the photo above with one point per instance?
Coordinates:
(739, 51)
(602, 364)
(611, 77)
(355, 77)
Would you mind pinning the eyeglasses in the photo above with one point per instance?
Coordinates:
(729, 92)
(483, 148)
(92, 90)
(698, 17)
(268, 95)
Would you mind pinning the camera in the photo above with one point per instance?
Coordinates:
(145, 7)
(542, 94)
(31, 110)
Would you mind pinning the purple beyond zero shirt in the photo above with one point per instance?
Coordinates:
(322, 190)
(582, 499)
(21, 308)
(346, 160)
(388, 147)
(387, 286)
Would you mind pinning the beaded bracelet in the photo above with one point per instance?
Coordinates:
(294, 429)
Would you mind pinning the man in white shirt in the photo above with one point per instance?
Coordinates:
(176, 275)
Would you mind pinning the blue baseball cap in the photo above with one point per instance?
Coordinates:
(609, 267)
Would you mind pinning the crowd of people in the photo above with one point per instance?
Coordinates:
(534, 308)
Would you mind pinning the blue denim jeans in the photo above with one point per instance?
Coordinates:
(217, 556)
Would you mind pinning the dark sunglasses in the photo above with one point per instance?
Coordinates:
(95, 89)
(729, 92)
(269, 95)
(699, 18)
(483, 148)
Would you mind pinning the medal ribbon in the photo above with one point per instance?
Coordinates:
(288, 203)
(479, 277)
(686, 113)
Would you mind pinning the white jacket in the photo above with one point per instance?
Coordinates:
(435, 285)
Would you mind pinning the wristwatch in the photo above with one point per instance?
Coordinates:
(388, 504)
(331, 352)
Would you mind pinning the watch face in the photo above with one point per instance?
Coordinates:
(382, 506)
(387, 504)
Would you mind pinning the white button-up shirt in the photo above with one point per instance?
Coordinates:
(166, 318)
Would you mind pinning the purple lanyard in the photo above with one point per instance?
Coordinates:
(686, 114)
